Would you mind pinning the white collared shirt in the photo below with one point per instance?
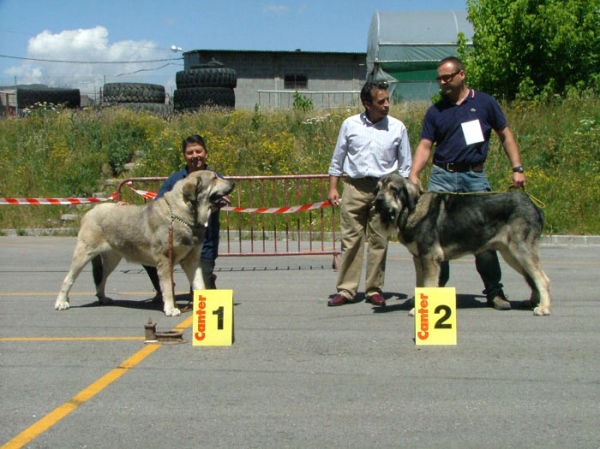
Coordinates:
(371, 149)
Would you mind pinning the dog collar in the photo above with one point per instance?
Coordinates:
(174, 217)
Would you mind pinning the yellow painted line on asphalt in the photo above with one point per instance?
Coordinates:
(71, 338)
(85, 395)
(184, 324)
(45, 293)
(86, 293)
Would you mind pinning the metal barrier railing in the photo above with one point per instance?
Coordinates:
(326, 99)
(283, 215)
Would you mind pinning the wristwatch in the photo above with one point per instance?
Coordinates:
(518, 169)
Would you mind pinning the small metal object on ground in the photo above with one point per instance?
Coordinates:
(150, 329)
(168, 337)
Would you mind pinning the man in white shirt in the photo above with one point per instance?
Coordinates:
(370, 145)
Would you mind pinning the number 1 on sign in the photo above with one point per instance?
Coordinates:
(219, 313)
(213, 318)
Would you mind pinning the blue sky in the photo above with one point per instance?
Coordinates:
(124, 33)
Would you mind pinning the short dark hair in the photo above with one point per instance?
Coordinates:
(194, 138)
(457, 63)
(365, 92)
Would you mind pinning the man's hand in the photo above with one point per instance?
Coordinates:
(333, 197)
(518, 180)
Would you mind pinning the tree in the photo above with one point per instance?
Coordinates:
(528, 49)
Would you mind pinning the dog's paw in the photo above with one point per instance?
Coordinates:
(61, 304)
(528, 304)
(173, 312)
(412, 312)
(541, 311)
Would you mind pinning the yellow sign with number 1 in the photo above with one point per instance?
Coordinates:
(213, 318)
(435, 316)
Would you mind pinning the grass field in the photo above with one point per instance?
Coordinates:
(62, 153)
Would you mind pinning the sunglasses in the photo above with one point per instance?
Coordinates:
(447, 78)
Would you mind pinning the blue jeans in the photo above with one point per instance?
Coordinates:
(487, 263)
(441, 180)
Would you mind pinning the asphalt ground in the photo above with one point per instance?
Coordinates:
(299, 374)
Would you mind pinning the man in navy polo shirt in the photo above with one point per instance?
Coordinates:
(460, 125)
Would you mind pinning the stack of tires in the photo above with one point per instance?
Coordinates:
(206, 85)
(136, 96)
(28, 97)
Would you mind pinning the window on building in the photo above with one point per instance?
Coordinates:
(295, 82)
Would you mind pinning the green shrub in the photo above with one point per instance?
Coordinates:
(61, 153)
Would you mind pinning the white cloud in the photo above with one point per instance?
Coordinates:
(85, 48)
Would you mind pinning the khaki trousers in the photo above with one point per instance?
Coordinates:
(359, 223)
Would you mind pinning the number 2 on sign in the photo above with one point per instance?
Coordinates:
(435, 317)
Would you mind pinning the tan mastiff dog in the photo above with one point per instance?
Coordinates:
(140, 234)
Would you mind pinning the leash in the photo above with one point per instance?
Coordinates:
(171, 257)
(538, 203)
(173, 218)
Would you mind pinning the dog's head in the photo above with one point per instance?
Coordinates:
(395, 195)
(203, 190)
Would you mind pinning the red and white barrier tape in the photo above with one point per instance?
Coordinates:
(151, 195)
(51, 201)
(69, 201)
(144, 193)
(277, 210)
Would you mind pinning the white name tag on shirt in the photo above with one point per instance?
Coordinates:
(472, 132)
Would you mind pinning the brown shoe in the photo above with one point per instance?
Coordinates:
(338, 300)
(376, 299)
(499, 302)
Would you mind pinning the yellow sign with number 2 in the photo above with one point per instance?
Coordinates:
(435, 316)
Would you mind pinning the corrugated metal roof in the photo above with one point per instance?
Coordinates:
(419, 27)
(275, 51)
(413, 40)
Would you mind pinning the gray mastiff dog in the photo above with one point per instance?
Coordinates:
(444, 226)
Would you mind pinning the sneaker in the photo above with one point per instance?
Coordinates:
(499, 302)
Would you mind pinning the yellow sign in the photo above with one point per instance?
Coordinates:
(435, 316)
(213, 318)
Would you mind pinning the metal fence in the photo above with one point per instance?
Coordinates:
(268, 216)
(284, 99)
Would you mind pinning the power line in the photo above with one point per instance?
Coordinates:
(89, 62)
(145, 70)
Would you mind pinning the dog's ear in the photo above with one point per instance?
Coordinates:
(412, 192)
(191, 188)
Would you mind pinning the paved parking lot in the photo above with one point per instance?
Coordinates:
(299, 374)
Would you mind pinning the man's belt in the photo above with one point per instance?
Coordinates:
(365, 178)
(453, 167)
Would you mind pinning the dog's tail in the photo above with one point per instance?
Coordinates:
(97, 269)
(542, 217)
